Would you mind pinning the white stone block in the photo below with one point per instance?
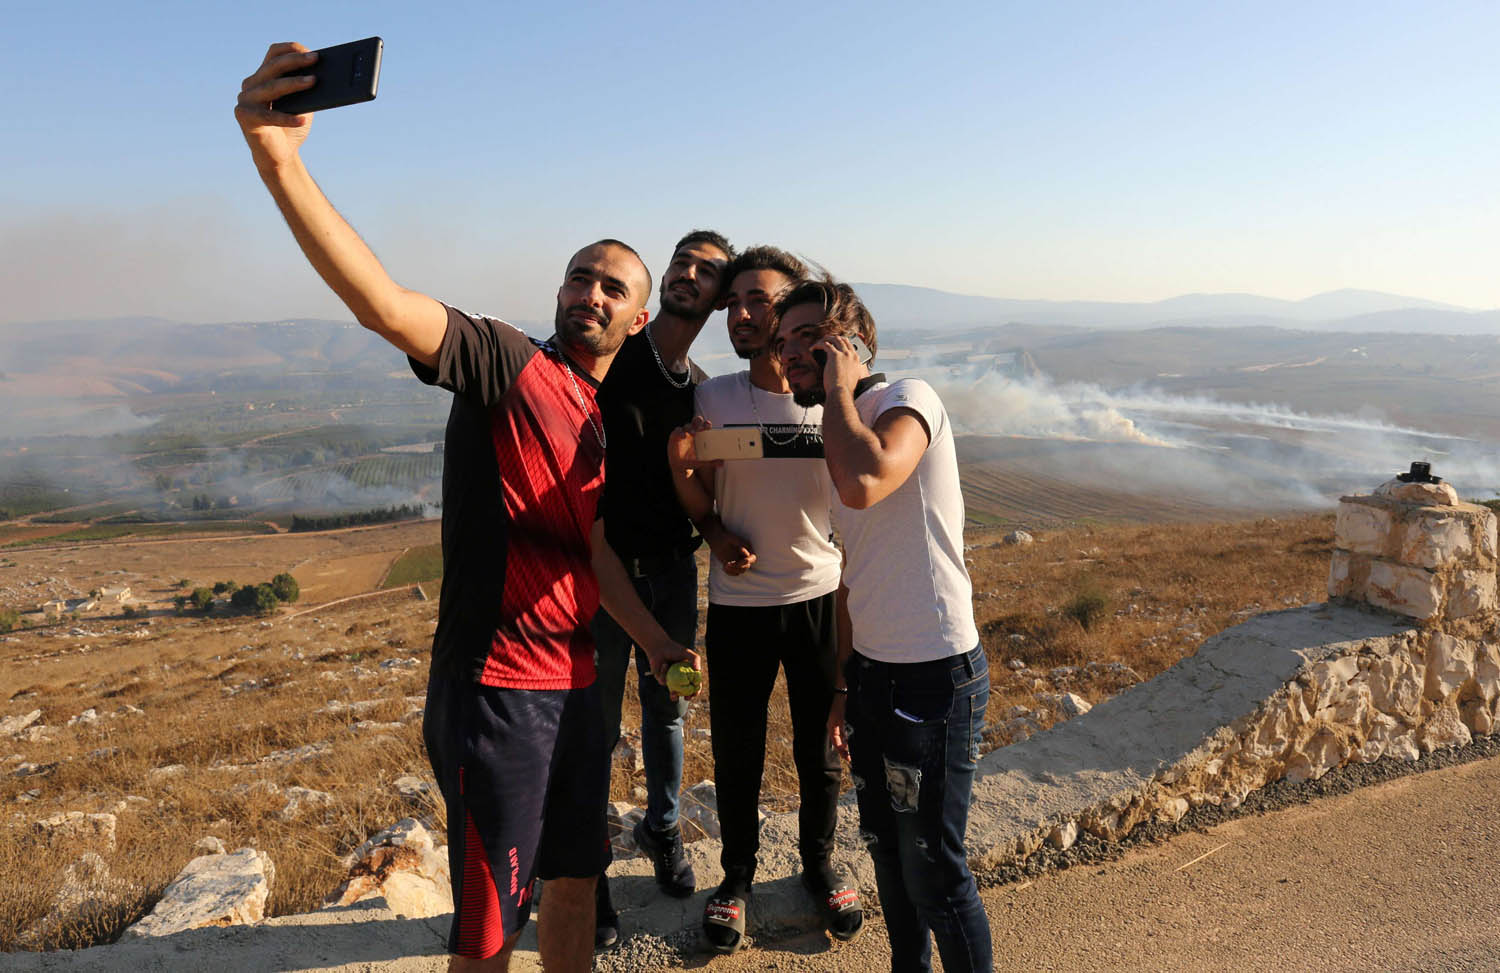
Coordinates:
(1063, 836)
(1444, 729)
(15, 724)
(403, 866)
(212, 890)
(1450, 664)
(1361, 529)
(1428, 494)
(1433, 540)
(1403, 589)
(96, 829)
(1471, 593)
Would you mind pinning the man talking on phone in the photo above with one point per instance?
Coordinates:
(512, 722)
(913, 682)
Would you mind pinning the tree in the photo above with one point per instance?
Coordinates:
(203, 599)
(285, 587)
(265, 599)
(225, 587)
(181, 602)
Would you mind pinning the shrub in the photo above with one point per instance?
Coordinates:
(1088, 606)
(181, 602)
(285, 587)
(202, 599)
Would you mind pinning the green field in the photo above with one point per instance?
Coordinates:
(109, 532)
(418, 564)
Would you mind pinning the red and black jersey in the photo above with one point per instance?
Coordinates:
(523, 469)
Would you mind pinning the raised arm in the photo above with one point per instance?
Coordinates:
(411, 321)
(867, 463)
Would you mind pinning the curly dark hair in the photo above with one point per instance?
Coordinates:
(767, 258)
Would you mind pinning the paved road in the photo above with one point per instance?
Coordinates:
(1399, 876)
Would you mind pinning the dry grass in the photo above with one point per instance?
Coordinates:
(229, 718)
(227, 699)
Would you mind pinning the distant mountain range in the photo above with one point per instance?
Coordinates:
(921, 308)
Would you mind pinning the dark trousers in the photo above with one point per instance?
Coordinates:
(746, 645)
(672, 598)
(914, 747)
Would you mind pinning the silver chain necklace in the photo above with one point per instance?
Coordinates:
(599, 436)
(750, 386)
(662, 365)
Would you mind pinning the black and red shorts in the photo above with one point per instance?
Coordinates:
(523, 774)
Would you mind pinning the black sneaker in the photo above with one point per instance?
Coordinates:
(674, 873)
(606, 919)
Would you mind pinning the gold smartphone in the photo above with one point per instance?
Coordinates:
(728, 444)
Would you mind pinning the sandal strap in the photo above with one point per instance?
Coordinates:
(724, 910)
(845, 898)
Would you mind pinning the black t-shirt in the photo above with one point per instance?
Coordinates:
(642, 517)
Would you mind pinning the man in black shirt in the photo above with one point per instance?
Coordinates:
(648, 393)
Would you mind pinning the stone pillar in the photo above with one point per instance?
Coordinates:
(1415, 549)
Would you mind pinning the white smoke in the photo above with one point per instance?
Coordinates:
(1246, 453)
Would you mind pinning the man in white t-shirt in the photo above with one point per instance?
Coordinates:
(914, 686)
(772, 586)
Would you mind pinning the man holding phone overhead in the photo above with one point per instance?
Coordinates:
(911, 667)
(512, 721)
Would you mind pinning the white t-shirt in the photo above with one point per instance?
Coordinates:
(909, 594)
(778, 504)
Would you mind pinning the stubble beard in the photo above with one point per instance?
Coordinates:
(606, 341)
(810, 397)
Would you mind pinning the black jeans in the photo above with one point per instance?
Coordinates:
(914, 747)
(746, 645)
(672, 598)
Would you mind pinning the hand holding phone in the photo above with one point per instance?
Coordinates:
(345, 74)
(861, 351)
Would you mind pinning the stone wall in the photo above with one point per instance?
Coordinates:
(1416, 550)
(1404, 659)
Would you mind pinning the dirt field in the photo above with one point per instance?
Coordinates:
(327, 564)
(192, 725)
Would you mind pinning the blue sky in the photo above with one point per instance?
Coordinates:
(1064, 151)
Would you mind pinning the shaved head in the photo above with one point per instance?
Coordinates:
(640, 281)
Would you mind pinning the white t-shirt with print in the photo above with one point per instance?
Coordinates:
(910, 599)
(778, 504)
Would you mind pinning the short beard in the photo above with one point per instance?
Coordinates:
(605, 342)
(748, 353)
(810, 397)
(681, 307)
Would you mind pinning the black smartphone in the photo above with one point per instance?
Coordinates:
(861, 350)
(346, 74)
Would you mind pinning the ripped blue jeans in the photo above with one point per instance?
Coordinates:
(914, 747)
